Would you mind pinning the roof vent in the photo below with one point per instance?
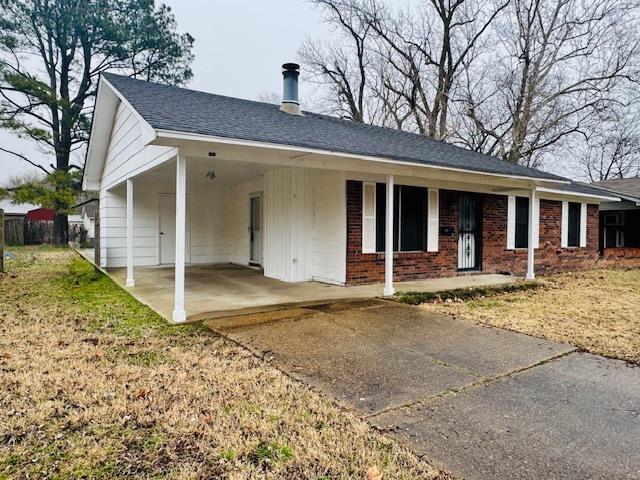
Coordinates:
(290, 103)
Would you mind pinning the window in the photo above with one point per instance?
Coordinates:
(409, 218)
(573, 224)
(522, 222)
(613, 230)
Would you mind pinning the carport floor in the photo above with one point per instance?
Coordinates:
(221, 290)
(475, 400)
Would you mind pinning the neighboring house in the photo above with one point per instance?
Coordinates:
(190, 177)
(620, 221)
(88, 215)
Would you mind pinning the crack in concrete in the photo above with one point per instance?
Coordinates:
(483, 381)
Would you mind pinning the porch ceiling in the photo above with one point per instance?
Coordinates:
(215, 291)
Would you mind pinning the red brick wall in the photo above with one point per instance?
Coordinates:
(369, 267)
(620, 257)
(550, 257)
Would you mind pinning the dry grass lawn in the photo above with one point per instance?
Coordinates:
(598, 311)
(95, 385)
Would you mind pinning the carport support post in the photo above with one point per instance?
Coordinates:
(130, 281)
(388, 241)
(179, 313)
(530, 243)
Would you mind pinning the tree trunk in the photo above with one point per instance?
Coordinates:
(60, 229)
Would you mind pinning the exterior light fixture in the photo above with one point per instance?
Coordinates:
(211, 175)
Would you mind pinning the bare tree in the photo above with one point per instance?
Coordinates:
(398, 68)
(342, 65)
(558, 64)
(612, 150)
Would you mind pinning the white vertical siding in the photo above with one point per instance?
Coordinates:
(277, 223)
(329, 227)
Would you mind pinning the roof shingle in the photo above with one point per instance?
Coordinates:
(172, 108)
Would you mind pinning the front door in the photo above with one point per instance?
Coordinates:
(255, 229)
(168, 230)
(469, 239)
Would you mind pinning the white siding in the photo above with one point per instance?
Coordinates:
(329, 227)
(305, 221)
(127, 153)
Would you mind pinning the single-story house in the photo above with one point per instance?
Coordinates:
(620, 221)
(187, 177)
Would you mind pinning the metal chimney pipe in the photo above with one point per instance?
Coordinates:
(290, 102)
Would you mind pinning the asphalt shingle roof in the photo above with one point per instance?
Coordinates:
(178, 109)
(626, 186)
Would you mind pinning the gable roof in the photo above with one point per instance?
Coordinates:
(176, 109)
(623, 186)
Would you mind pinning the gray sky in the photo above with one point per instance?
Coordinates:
(239, 48)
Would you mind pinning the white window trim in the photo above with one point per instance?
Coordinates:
(583, 225)
(368, 244)
(433, 219)
(511, 222)
(536, 223)
(564, 231)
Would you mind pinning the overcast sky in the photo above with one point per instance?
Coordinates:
(239, 48)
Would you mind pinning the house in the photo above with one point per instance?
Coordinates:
(186, 177)
(620, 221)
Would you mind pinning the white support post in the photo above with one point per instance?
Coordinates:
(130, 281)
(388, 250)
(179, 313)
(531, 243)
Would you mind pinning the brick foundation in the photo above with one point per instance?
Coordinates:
(549, 258)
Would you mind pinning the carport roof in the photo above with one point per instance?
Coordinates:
(177, 109)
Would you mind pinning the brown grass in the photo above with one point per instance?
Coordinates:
(598, 311)
(95, 385)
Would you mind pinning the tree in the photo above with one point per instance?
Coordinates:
(558, 65)
(612, 150)
(51, 54)
(402, 66)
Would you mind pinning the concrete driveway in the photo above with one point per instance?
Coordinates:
(478, 401)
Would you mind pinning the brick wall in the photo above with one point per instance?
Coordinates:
(550, 257)
(620, 257)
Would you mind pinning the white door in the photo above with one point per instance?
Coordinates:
(255, 229)
(168, 230)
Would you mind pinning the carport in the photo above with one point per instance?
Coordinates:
(214, 291)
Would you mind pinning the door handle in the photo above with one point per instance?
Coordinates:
(161, 233)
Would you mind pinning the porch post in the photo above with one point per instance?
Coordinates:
(179, 313)
(531, 237)
(130, 281)
(388, 241)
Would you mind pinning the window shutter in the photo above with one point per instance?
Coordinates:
(536, 223)
(368, 217)
(565, 225)
(433, 223)
(583, 224)
(511, 222)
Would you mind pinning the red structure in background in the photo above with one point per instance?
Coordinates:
(40, 214)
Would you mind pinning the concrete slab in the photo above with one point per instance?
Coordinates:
(213, 291)
(484, 350)
(573, 418)
(375, 355)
